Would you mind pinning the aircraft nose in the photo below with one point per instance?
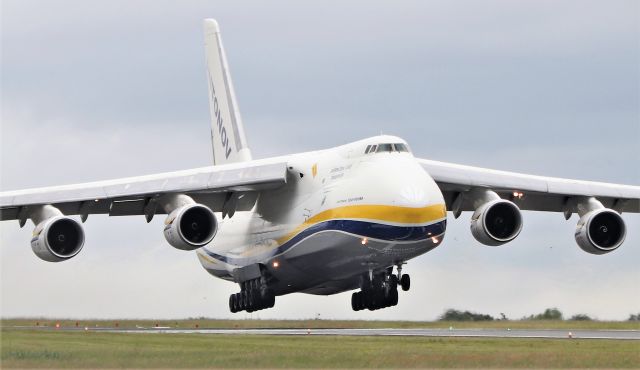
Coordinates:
(403, 183)
(408, 203)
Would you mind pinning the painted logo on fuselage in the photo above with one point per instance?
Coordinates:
(217, 116)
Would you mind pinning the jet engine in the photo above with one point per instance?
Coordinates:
(600, 231)
(57, 239)
(496, 222)
(190, 227)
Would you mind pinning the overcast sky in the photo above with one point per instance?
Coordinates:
(107, 89)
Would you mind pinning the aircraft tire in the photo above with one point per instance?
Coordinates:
(381, 299)
(393, 281)
(360, 300)
(244, 299)
(232, 303)
(254, 300)
(251, 301)
(354, 302)
(264, 294)
(372, 302)
(236, 303)
(405, 282)
(386, 293)
(264, 300)
(394, 297)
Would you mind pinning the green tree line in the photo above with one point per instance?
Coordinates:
(552, 313)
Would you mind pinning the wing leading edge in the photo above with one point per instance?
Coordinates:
(529, 192)
(212, 186)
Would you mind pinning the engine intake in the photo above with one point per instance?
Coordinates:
(600, 231)
(57, 239)
(496, 222)
(190, 227)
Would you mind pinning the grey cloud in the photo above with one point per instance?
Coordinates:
(98, 90)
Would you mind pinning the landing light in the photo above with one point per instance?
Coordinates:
(276, 264)
(435, 240)
(364, 241)
(518, 195)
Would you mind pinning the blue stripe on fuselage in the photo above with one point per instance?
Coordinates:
(390, 233)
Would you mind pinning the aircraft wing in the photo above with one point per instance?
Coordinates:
(211, 186)
(529, 192)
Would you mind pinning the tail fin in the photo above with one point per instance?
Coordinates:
(227, 134)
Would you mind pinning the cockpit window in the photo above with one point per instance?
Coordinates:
(381, 148)
(401, 148)
(384, 148)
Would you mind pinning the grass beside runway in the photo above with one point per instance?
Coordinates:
(90, 349)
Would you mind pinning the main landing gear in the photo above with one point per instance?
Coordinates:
(254, 295)
(380, 290)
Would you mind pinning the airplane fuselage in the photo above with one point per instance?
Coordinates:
(343, 213)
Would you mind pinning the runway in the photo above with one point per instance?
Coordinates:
(482, 333)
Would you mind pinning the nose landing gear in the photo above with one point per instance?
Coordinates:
(405, 282)
(379, 290)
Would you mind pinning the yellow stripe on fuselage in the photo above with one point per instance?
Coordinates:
(204, 257)
(384, 213)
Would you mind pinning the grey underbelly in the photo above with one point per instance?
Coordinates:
(333, 261)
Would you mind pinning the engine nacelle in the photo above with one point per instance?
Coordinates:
(496, 222)
(57, 239)
(190, 227)
(600, 231)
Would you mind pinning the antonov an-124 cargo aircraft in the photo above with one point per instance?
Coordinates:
(322, 222)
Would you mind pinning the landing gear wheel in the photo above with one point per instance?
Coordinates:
(379, 289)
(405, 282)
(354, 302)
(239, 304)
(360, 301)
(232, 303)
(393, 299)
(251, 299)
(393, 280)
(254, 295)
(375, 298)
(244, 298)
(236, 303)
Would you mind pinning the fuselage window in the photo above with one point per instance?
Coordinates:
(373, 149)
(384, 148)
(367, 150)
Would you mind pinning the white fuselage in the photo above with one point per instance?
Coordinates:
(341, 214)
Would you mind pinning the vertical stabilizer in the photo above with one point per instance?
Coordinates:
(227, 133)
